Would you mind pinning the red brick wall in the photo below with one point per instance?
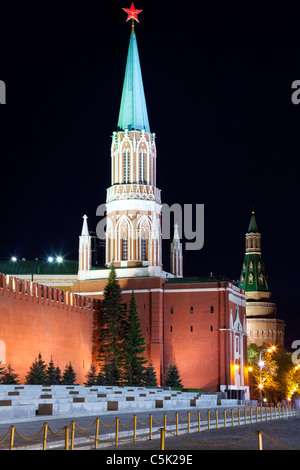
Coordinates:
(192, 339)
(33, 324)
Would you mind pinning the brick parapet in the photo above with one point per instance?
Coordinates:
(29, 291)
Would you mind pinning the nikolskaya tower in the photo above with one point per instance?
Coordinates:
(133, 201)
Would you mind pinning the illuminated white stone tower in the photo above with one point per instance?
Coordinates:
(133, 235)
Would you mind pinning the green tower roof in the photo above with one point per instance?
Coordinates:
(253, 225)
(253, 277)
(133, 111)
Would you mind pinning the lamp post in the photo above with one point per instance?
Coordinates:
(261, 364)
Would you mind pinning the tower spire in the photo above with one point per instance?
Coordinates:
(133, 202)
(85, 248)
(133, 113)
(176, 254)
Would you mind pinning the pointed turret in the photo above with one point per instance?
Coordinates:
(253, 225)
(176, 254)
(85, 249)
(253, 277)
(133, 111)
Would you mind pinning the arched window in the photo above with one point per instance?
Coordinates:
(144, 245)
(124, 248)
(126, 166)
(142, 166)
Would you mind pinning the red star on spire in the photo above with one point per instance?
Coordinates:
(132, 13)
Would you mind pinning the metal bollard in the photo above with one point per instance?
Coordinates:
(45, 436)
(199, 421)
(177, 430)
(12, 436)
(259, 435)
(134, 428)
(97, 433)
(66, 437)
(117, 432)
(150, 424)
(165, 421)
(162, 438)
(72, 434)
(189, 421)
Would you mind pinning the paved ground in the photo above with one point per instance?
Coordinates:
(282, 433)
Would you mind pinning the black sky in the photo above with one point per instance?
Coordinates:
(217, 78)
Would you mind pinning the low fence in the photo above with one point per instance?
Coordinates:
(67, 436)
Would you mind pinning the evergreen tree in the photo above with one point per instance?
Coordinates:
(150, 379)
(92, 376)
(172, 378)
(58, 376)
(110, 375)
(69, 376)
(53, 374)
(112, 322)
(10, 377)
(37, 373)
(134, 345)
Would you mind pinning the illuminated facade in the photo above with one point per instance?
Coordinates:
(262, 324)
(198, 322)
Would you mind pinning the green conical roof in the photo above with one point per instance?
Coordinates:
(253, 225)
(253, 277)
(133, 110)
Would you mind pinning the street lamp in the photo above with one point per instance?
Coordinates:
(261, 364)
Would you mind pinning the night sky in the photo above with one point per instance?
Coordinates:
(217, 79)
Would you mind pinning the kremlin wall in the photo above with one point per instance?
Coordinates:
(39, 319)
(199, 323)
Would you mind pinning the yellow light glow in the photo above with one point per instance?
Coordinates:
(260, 386)
(250, 369)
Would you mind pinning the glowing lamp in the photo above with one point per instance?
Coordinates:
(59, 259)
(14, 259)
(50, 259)
(250, 369)
(260, 386)
(261, 363)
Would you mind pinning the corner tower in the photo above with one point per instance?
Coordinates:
(133, 235)
(253, 277)
(262, 324)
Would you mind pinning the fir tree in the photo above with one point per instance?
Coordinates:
(92, 376)
(150, 379)
(112, 327)
(58, 376)
(37, 373)
(134, 345)
(10, 377)
(53, 374)
(69, 376)
(172, 378)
